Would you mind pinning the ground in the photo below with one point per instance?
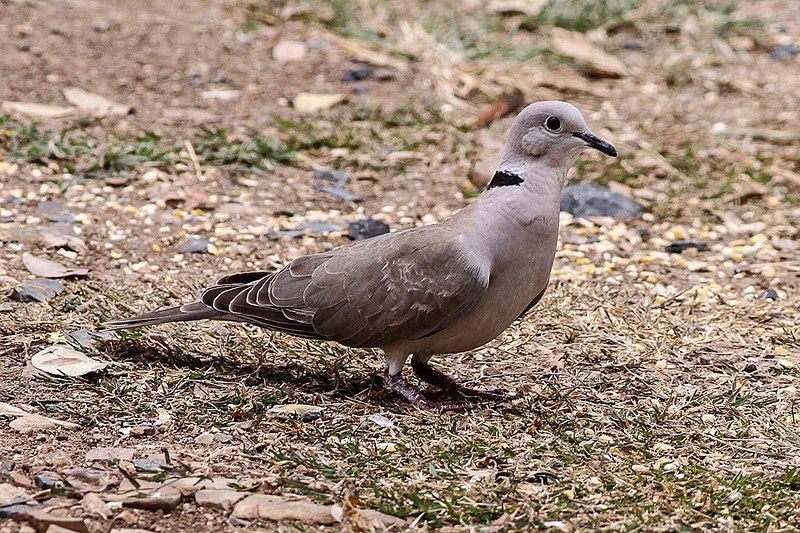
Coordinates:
(652, 390)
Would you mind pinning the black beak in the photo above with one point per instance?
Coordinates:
(597, 143)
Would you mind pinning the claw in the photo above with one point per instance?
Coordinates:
(430, 375)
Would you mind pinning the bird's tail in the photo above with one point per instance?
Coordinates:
(183, 313)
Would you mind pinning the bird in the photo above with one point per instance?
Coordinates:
(438, 289)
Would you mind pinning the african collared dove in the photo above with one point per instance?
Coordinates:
(438, 289)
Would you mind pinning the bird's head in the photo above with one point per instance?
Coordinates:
(552, 133)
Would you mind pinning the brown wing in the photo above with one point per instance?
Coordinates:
(395, 287)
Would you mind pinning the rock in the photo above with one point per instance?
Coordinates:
(150, 464)
(223, 95)
(90, 480)
(46, 480)
(366, 228)
(110, 454)
(633, 44)
(53, 236)
(360, 89)
(94, 505)
(84, 338)
(587, 200)
(163, 499)
(769, 294)
(305, 412)
(53, 528)
(340, 193)
(204, 438)
(277, 509)
(129, 530)
(679, 246)
(188, 114)
(41, 521)
(785, 52)
(314, 102)
(357, 74)
(334, 176)
(37, 290)
(32, 424)
(11, 495)
(94, 103)
(220, 499)
(38, 110)
(287, 51)
(144, 430)
(189, 485)
(318, 226)
(750, 367)
(194, 245)
(55, 211)
(384, 74)
(45, 268)
(61, 360)
(16, 510)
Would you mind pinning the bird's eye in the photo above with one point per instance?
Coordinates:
(553, 124)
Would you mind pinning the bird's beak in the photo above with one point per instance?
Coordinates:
(596, 142)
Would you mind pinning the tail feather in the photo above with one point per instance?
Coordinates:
(184, 313)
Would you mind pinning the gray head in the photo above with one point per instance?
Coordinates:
(551, 133)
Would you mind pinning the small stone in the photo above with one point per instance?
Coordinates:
(785, 52)
(318, 226)
(334, 176)
(287, 51)
(750, 367)
(83, 338)
(55, 211)
(16, 510)
(584, 200)
(278, 509)
(37, 290)
(194, 245)
(41, 521)
(356, 74)
(306, 412)
(204, 438)
(367, 228)
(633, 44)
(190, 485)
(46, 480)
(381, 420)
(143, 430)
(11, 495)
(164, 499)
(90, 480)
(32, 424)
(110, 454)
(150, 464)
(340, 193)
(383, 74)
(680, 246)
(360, 89)
(94, 504)
(219, 499)
(769, 294)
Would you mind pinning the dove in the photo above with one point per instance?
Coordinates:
(427, 291)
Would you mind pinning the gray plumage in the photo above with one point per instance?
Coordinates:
(443, 288)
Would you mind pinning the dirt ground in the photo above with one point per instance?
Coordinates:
(652, 390)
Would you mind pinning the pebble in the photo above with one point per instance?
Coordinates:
(584, 200)
(42, 521)
(366, 228)
(194, 245)
(278, 509)
(164, 499)
(143, 430)
(94, 504)
(769, 294)
(340, 193)
(110, 454)
(149, 465)
(38, 290)
(46, 480)
(11, 495)
(681, 246)
(750, 367)
(334, 176)
(204, 438)
(357, 74)
(219, 498)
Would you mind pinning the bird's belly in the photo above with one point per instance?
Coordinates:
(504, 302)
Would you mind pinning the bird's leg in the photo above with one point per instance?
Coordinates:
(428, 374)
(412, 394)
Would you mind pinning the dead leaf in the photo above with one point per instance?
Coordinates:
(316, 102)
(94, 103)
(578, 47)
(506, 105)
(286, 51)
(295, 409)
(45, 268)
(61, 360)
(38, 110)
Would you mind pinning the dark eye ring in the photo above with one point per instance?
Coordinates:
(552, 124)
